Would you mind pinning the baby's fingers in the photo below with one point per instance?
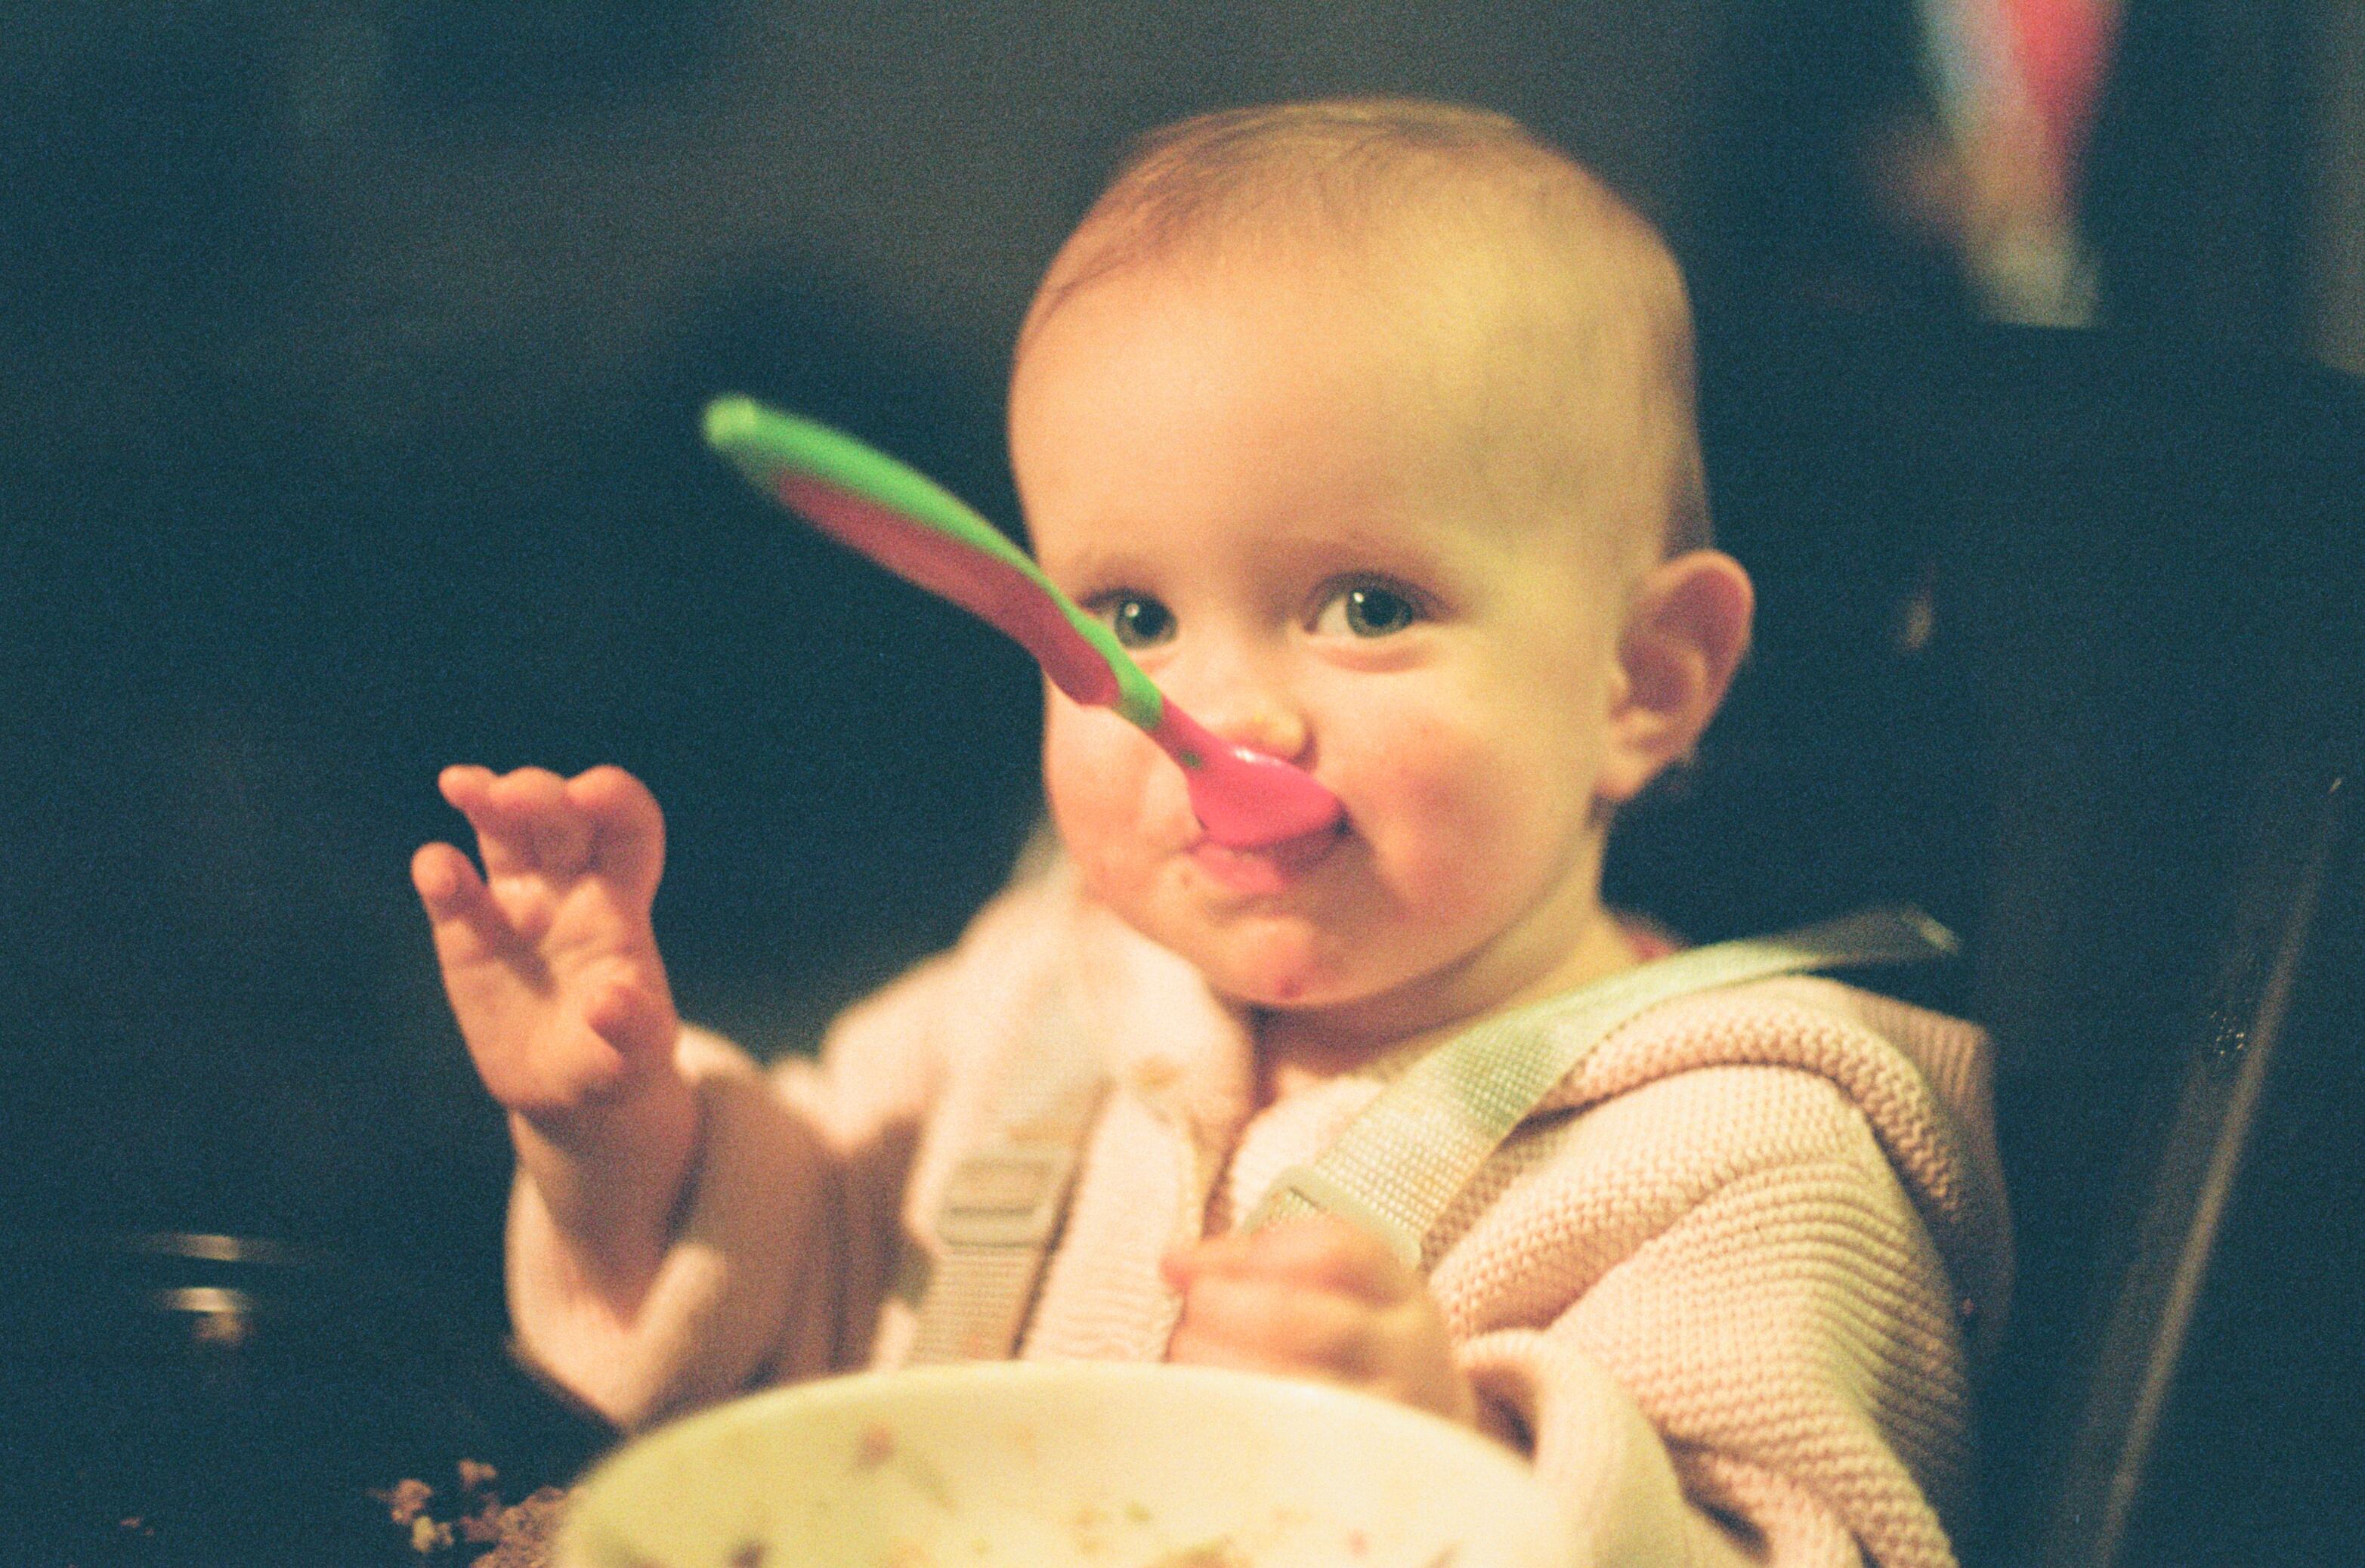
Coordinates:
(627, 830)
(525, 825)
(1316, 1297)
(1264, 1324)
(1316, 1252)
(468, 927)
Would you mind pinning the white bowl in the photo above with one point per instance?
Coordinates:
(1019, 1465)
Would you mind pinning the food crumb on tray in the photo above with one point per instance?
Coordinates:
(520, 1534)
(527, 1531)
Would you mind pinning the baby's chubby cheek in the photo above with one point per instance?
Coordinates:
(1431, 804)
(1463, 841)
(1119, 804)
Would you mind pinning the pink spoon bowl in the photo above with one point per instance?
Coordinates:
(909, 524)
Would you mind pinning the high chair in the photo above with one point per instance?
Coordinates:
(2062, 637)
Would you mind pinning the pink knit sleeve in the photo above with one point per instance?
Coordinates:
(1625, 1502)
(724, 1293)
(1714, 1288)
(788, 1238)
(791, 1232)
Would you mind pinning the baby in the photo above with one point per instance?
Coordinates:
(1367, 428)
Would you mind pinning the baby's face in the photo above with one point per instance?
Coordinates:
(1257, 482)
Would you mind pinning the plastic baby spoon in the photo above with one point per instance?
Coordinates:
(913, 526)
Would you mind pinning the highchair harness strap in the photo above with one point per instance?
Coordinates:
(1005, 1201)
(1394, 1168)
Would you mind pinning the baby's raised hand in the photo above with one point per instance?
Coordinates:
(1316, 1297)
(549, 956)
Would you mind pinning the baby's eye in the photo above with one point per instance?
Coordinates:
(1139, 621)
(1366, 609)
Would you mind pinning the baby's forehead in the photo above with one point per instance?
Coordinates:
(1488, 374)
(1539, 320)
(1414, 239)
(1503, 271)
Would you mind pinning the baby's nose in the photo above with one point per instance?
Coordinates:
(1262, 720)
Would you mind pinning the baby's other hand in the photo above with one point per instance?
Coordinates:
(1316, 1297)
(549, 958)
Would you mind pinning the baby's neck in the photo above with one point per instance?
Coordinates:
(1299, 1047)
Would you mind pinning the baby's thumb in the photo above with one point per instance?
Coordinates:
(639, 1022)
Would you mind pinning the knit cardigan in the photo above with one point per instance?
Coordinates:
(1727, 1279)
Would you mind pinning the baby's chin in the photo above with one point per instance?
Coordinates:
(1275, 963)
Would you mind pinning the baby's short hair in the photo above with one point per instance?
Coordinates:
(1596, 306)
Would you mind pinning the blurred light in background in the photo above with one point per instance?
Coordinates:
(2017, 85)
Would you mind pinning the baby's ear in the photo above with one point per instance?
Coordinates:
(1686, 632)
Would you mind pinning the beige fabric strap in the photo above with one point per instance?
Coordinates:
(1004, 1206)
(1396, 1167)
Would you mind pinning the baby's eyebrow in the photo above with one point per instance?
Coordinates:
(1094, 567)
(1393, 547)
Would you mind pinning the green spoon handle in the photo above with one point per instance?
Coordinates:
(918, 529)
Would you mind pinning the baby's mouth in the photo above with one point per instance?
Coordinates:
(1269, 867)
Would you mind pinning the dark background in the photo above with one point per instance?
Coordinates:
(350, 360)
